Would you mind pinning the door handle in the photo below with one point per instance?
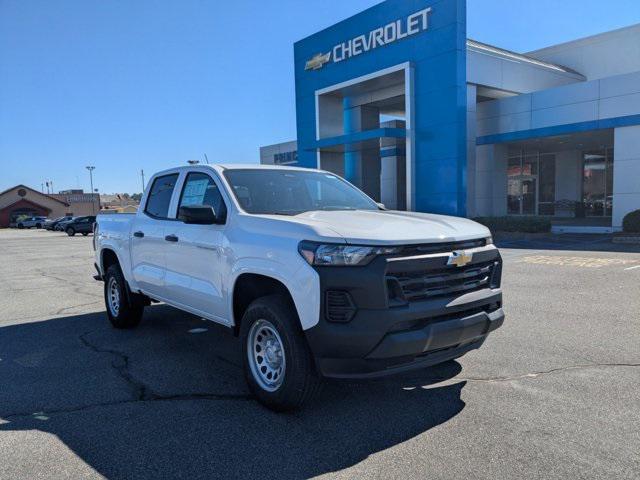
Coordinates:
(138, 234)
(171, 238)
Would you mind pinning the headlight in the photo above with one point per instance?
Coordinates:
(489, 240)
(341, 255)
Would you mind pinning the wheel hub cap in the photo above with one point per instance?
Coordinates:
(113, 297)
(266, 355)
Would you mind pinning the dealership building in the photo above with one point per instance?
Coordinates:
(400, 102)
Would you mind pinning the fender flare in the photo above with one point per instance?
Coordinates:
(302, 283)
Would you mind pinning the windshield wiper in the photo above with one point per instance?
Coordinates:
(335, 207)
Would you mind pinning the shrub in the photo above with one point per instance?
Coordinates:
(631, 222)
(516, 224)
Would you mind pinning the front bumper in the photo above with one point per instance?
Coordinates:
(386, 335)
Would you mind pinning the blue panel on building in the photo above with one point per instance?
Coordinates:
(437, 57)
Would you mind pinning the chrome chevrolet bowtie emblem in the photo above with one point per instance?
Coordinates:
(317, 61)
(459, 258)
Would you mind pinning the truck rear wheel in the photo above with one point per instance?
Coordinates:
(124, 308)
(278, 364)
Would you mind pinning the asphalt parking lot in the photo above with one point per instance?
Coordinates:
(552, 394)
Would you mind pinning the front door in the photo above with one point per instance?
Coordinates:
(195, 266)
(522, 195)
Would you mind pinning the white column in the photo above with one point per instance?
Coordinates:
(626, 173)
(491, 180)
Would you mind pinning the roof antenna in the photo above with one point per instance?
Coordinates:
(206, 159)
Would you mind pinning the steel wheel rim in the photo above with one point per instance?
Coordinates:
(266, 355)
(113, 297)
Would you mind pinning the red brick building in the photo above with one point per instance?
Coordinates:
(22, 200)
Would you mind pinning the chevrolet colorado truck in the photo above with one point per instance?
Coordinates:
(316, 278)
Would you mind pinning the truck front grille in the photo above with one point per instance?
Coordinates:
(420, 285)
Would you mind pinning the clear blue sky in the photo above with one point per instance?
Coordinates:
(125, 85)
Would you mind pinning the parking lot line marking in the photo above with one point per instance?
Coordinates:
(631, 268)
(197, 330)
(576, 261)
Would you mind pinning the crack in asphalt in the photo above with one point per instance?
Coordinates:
(157, 398)
(540, 373)
(64, 309)
(140, 391)
(121, 366)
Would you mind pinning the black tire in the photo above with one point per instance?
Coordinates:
(71, 232)
(130, 306)
(38, 225)
(21, 226)
(84, 234)
(300, 381)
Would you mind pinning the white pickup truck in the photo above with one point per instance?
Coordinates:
(316, 278)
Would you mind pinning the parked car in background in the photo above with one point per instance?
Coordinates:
(60, 226)
(52, 224)
(83, 225)
(31, 222)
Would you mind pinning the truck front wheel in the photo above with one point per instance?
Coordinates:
(278, 364)
(124, 308)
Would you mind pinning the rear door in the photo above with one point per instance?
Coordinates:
(148, 236)
(195, 261)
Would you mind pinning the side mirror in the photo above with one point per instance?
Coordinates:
(198, 215)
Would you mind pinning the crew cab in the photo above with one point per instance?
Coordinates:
(316, 278)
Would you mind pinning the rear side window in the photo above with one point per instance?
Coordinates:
(200, 189)
(160, 196)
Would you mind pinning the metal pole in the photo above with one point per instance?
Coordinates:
(93, 202)
(142, 174)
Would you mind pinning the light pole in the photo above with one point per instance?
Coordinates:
(142, 174)
(93, 203)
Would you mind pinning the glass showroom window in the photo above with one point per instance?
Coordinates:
(597, 182)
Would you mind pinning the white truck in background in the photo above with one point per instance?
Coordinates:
(315, 277)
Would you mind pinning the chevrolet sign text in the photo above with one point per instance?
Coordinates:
(413, 24)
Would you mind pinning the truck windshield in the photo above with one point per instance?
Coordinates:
(291, 192)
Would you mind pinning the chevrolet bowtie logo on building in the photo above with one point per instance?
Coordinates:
(459, 258)
(317, 61)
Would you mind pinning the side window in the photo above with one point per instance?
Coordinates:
(200, 189)
(160, 196)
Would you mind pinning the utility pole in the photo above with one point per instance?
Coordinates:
(142, 175)
(42, 187)
(93, 203)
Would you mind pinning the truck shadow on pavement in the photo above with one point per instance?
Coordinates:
(166, 400)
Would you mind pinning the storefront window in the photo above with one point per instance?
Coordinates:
(547, 194)
(597, 182)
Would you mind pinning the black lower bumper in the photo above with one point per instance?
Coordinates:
(414, 349)
(386, 333)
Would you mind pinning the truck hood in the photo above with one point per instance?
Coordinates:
(371, 227)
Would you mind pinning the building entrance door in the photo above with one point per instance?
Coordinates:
(531, 183)
(522, 195)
